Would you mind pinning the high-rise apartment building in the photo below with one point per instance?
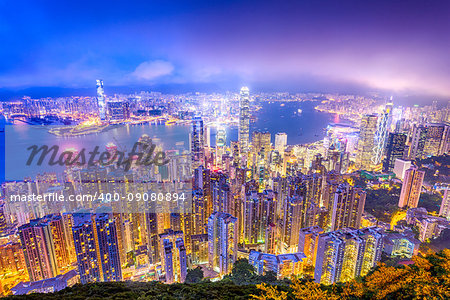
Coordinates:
(347, 253)
(348, 206)
(96, 247)
(222, 242)
(411, 188)
(445, 205)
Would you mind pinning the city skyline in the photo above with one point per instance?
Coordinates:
(225, 149)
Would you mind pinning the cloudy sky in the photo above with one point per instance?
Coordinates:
(403, 46)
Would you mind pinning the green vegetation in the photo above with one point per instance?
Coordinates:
(194, 275)
(431, 202)
(382, 203)
(428, 278)
(437, 168)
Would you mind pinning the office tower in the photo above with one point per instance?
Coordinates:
(280, 142)
(173, 255)
(96, 247)
(222, 242)
(101, 100)
(197, 142)
(395, 149)
(244, 120)
(221, 142)
(437, 139)
(381, 134)
(261, 142)
(411, 188)
(418, 138)
(366, 141)
(307, 244)
(400, 167)
(284, 265)
(116, 110)
(39, 250)
(207, 137)
(348, 206)
(445, 205)
(347, 253)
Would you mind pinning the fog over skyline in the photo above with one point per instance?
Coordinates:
(398, 46)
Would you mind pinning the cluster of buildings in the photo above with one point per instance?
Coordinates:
(285, 211)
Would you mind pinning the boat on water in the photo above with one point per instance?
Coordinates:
(299, 111)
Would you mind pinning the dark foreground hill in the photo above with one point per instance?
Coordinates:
(427, 278)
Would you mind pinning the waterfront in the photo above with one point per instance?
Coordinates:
(307, 127)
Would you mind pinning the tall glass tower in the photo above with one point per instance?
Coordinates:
(244, 119)
(381, 134)
(101, 100)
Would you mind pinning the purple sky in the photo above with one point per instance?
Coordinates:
(402, 46)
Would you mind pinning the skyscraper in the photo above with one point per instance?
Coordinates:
(197, 142)
(222, 242)
(280, 141)
(348, 206)
(96, 247)
(411, 188)
(101, 100)
(347, 253)
(39, 251)
(381, 134)
(395, 149)
(244, 120)
(366, 142)
(437, 139)
(418, 138)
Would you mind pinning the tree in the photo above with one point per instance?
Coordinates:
(242, 272)
(194, 275)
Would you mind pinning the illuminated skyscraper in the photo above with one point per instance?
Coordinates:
(108, 249)
(366, 142)
(347, 253)
(280, 141)
(197, 142)
(395, 149)
(411, 188)
(418, 139)
(101, 100)
(96, 246)
(348, 206)
(438, 139)
(222, 242)
(173, 254)
(116, 110)
(38, 249)
(381, 134)
(244, 120)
